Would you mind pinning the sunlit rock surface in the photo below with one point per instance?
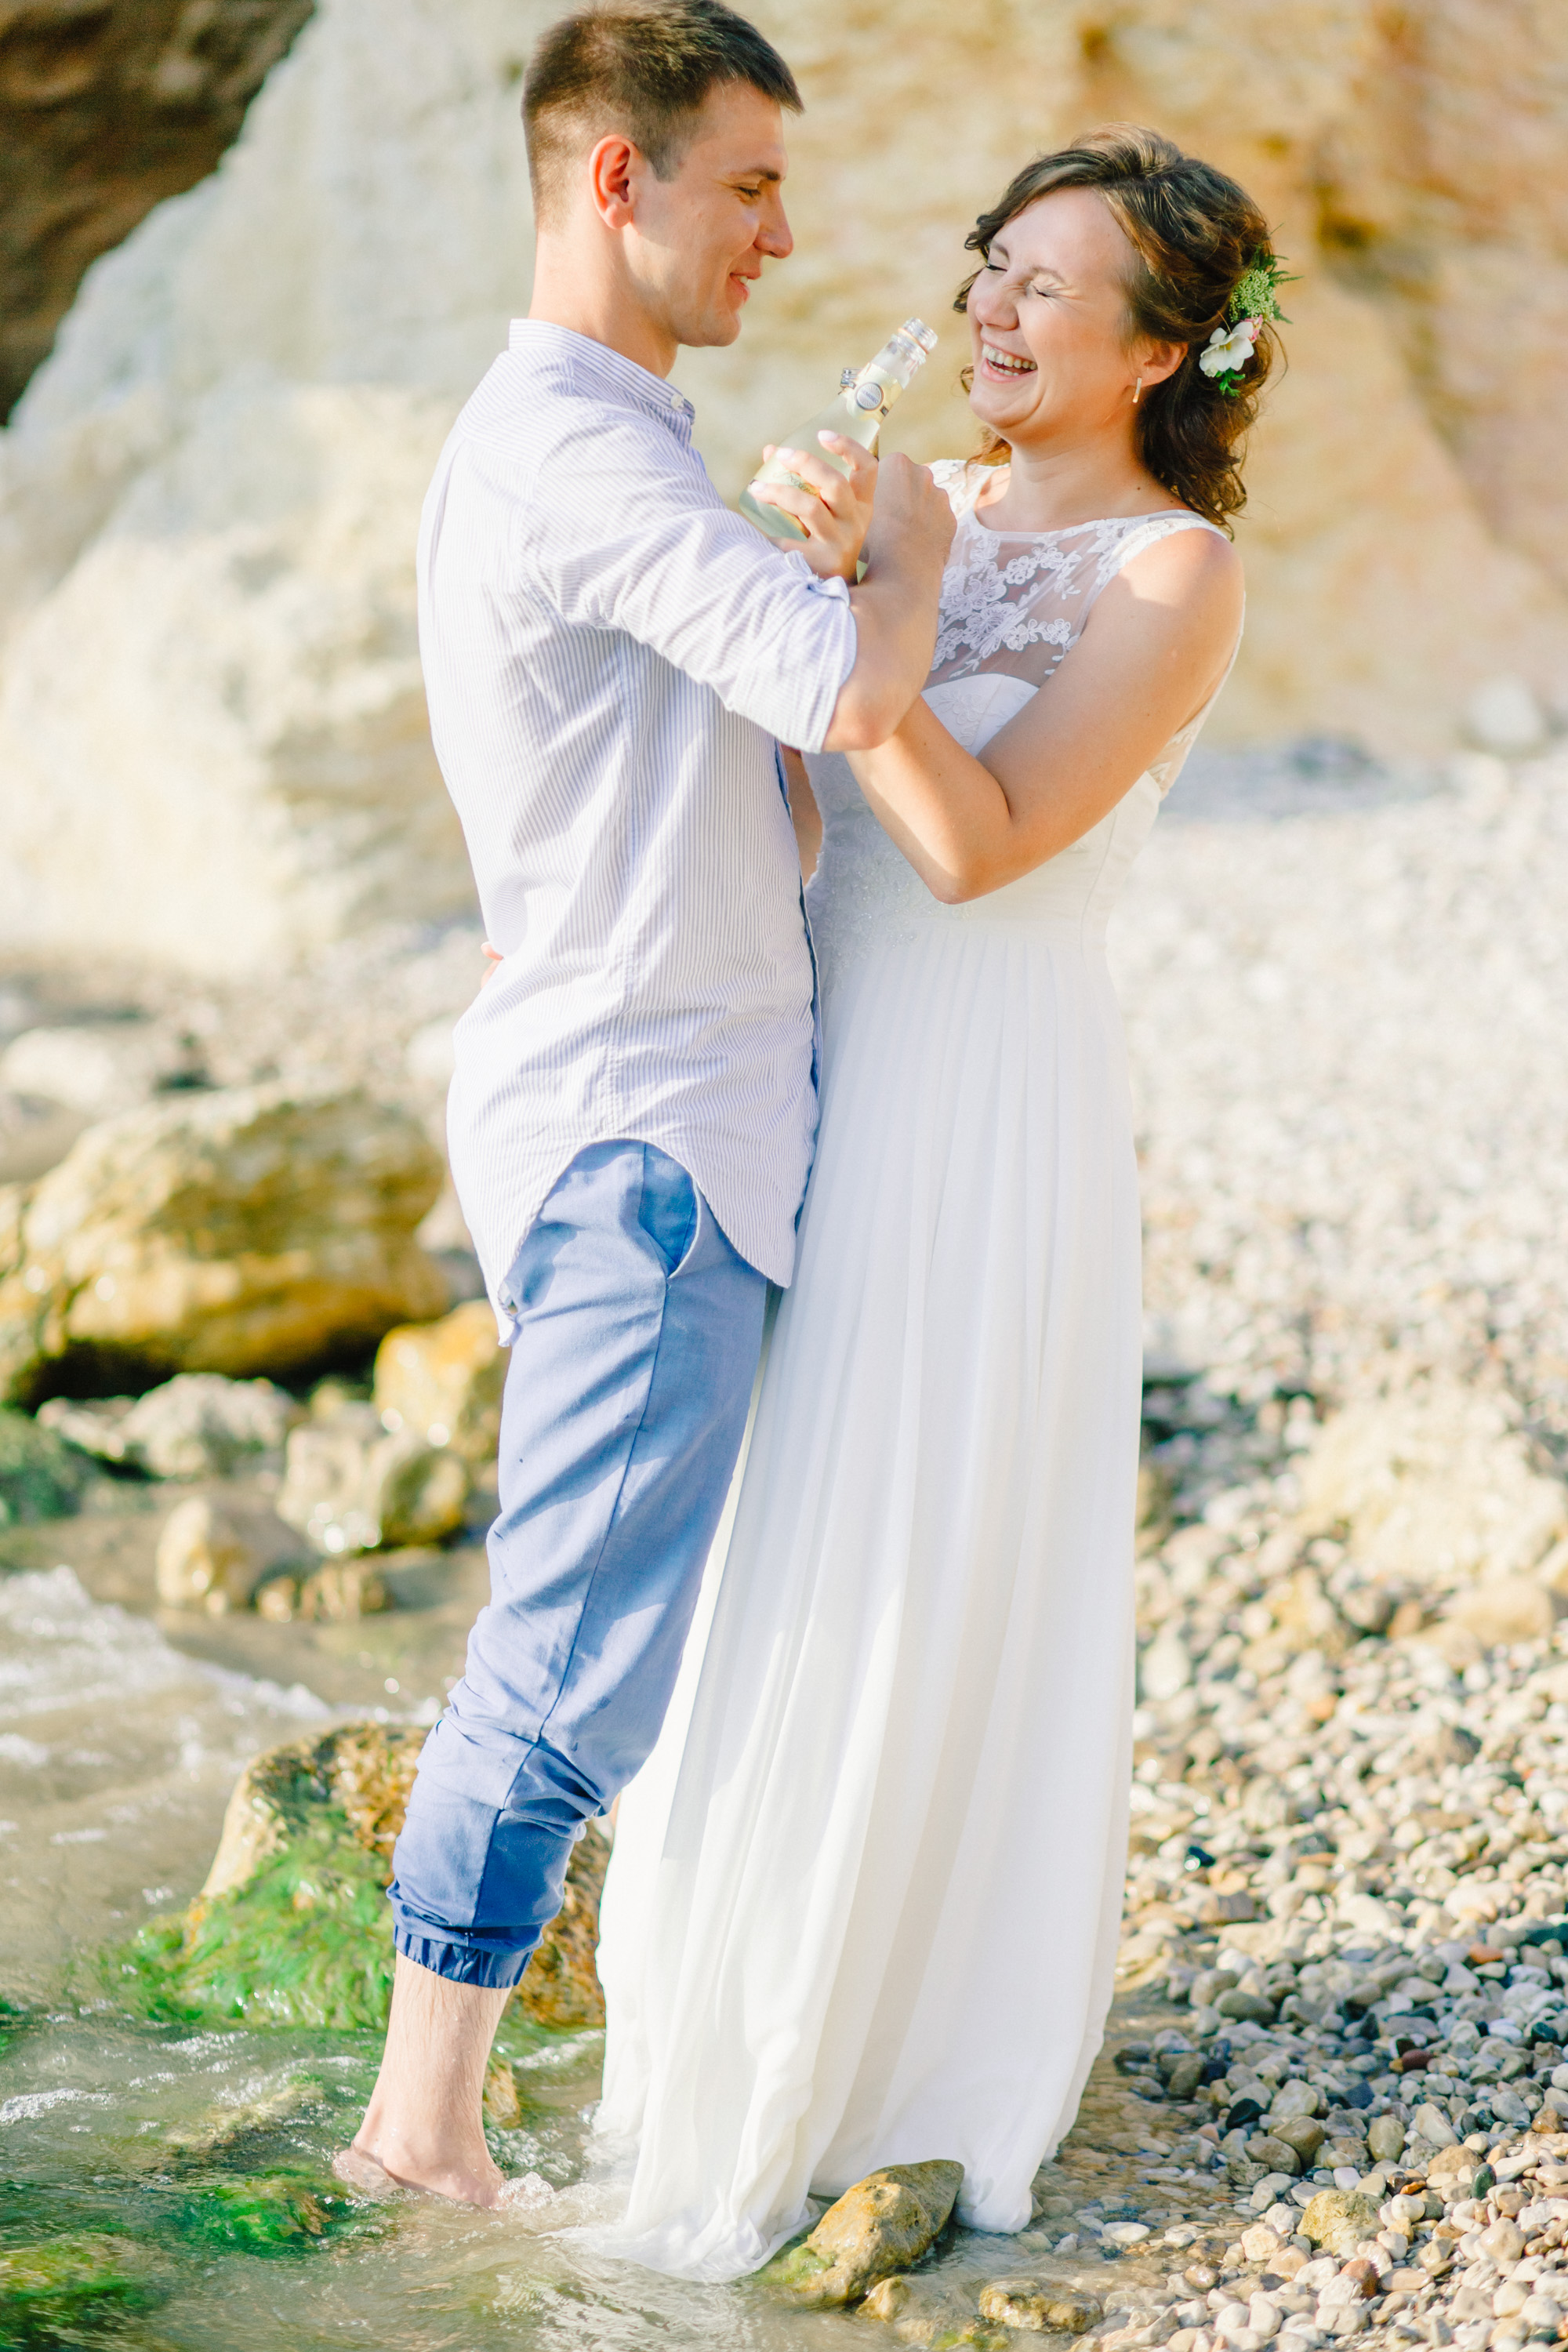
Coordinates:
(212, 733)
(246, 1230)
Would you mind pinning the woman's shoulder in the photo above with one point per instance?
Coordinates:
(962, 478)
(1175, 543)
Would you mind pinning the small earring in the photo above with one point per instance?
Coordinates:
(1137, 390)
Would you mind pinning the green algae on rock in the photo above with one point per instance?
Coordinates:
(293, 1926)
(41, 1477)
(282, 2211)
(883, 2225)
(69, 2282)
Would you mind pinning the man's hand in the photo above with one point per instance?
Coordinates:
(913, 521)
(895, 606)
(835, 511)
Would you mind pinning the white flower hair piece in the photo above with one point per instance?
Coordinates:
(1254, 304)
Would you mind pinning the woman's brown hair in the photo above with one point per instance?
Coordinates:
(1194, 234)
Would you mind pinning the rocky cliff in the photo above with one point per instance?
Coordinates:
(211, 724)
(106, 107)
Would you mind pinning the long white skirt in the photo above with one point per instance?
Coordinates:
(864, 1901)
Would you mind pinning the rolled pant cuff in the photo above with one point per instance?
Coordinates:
(463, 1963)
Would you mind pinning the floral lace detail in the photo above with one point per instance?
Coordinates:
(1014, 602)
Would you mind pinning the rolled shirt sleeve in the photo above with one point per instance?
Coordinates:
(687, 578)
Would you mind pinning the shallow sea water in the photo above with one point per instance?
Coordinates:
(117, 1751)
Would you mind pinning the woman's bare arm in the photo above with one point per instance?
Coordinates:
(1155, 649)
(805, 815)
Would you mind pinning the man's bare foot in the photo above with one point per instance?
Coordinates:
(469, 2184)
(358, 2170)
(424, 2128)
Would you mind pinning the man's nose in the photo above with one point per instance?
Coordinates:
(774, 237)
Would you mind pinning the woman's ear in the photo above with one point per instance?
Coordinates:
(1158, 361)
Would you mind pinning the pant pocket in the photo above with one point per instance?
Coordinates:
(669, 1208)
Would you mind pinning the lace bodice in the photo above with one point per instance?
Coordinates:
(1013, 603)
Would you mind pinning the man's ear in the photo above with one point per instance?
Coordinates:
(612, 169)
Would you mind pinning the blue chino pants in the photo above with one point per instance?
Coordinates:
(638, 1331)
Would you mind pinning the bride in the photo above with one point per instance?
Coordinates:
(864, 1901)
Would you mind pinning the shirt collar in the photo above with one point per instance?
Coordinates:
(596, 367)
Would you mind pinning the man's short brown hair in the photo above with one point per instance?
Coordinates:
(641, 68)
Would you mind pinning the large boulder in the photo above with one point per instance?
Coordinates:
(260, 1229)
(293, 1926)
(444, 1381)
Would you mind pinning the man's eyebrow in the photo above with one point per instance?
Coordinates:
(756, 172)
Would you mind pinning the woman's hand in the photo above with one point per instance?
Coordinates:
(835, 511)
(493, 962)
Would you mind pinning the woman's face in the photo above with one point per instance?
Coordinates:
(1047, 319)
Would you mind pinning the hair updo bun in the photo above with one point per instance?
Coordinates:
(1194, 236)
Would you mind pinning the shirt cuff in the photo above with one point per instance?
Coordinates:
(835, 587)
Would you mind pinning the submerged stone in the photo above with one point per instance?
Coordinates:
(70, 2281)
(1038, 2307)
(883, 2225)
(293, 1926)
(278, 2213)
(932, 2315)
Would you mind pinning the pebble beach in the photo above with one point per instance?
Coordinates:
(1333, 2100)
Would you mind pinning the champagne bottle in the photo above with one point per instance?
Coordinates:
(862, 401)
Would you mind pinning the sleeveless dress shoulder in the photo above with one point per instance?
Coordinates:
(865, 1895)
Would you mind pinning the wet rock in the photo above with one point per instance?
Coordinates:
(331, 1595)
(213, 1555)
(199, 1425)
(350, 1486)
(292, 1925)
(1386, 2139)
(927, 2313)
(221, 2133)
(269, 2213)
(40, 1477)
(1274, 2155)
(883, 2225)
(502, 2103)
(1038, 2307)
(1295, 2098)
(362, 1772)
(66, 2282)
(1337, 2219)
(256, 1230)
(443, 1381)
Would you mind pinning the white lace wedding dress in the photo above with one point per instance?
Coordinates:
(864, 1900)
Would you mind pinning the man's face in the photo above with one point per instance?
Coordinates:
(700, 238)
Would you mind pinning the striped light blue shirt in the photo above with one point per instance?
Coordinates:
(610, 654)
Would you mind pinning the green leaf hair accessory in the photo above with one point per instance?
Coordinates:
(1254, 301)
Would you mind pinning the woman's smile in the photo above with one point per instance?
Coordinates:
(998, 362)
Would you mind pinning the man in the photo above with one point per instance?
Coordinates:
(610, 657)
